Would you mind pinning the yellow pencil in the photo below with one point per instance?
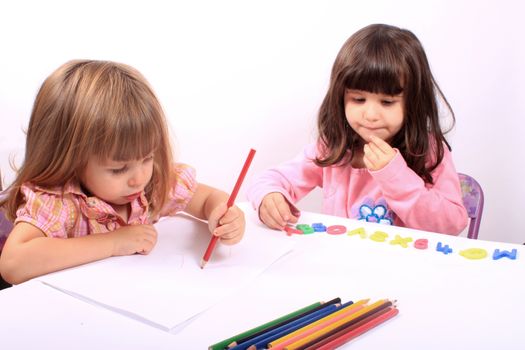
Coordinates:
(281, 342)
(334, 325)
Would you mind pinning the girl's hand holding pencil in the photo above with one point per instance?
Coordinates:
(227, 223)
(228, 216)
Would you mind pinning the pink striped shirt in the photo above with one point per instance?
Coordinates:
(66, 212)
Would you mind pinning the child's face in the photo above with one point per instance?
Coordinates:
(115, 182)
(374, 114)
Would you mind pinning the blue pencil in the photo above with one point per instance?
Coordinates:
(263, 344)
(263, 339)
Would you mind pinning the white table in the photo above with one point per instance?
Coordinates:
(445, 301)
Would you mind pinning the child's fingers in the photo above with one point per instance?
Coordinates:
(374, 158)
(370, 155)
(230, 234)
(270, 213)
(382, 149)
(229, 216)
(283, 208)
(380, 144)
(147, 248)
(219, 212)
(375, 150)
(150, 231)
(293, 219)
(232, 214)
(368, 164)
(147, 244)
(149, 239)
(271, 220)
(231, 226)
(275, 211)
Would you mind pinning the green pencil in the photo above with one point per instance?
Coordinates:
(224, 344)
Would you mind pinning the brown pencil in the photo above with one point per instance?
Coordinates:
(347, 327)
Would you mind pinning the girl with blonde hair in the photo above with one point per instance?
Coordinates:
(99, 171)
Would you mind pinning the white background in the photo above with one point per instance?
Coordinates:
(235, 75)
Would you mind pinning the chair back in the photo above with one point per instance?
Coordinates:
(473, 201)
(5, 225)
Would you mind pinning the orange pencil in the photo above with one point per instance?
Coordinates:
(346, 337)
(339, 331)
(231, 200)
(290, 338)
(311, 337)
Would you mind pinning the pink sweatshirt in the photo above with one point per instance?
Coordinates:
(393, 195)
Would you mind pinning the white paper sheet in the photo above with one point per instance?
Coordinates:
(167, 288)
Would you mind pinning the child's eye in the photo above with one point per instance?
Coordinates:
(387, 102)
(119, 170)
(358, 99)
(148, 158)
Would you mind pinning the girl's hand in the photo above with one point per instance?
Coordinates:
(275, 212)
(133, 239)
(227, 223)
(377, 153)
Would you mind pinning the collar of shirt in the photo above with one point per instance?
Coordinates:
(94, 208)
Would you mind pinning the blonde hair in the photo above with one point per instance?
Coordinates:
(99, 108)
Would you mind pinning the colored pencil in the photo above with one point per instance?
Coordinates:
(280, 343)
(345, 328)
(226, 342)
(264, 341)
(287, 328)
(281, 322)
(381, 304)
(346, 337)
(336, 333)
(231, 200)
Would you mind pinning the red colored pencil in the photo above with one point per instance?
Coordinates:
(335, 343)
(231, 200)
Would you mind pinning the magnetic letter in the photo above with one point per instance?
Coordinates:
(445, 249)
(421, 243)
(358, 231)
(379, 236)
(504, 254)
(403, 242)
(336, 229)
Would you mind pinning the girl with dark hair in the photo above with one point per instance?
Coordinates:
(381, 155)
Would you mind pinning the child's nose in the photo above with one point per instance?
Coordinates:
(371, 113)
(137, 179)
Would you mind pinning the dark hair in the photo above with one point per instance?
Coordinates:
(385, 59)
